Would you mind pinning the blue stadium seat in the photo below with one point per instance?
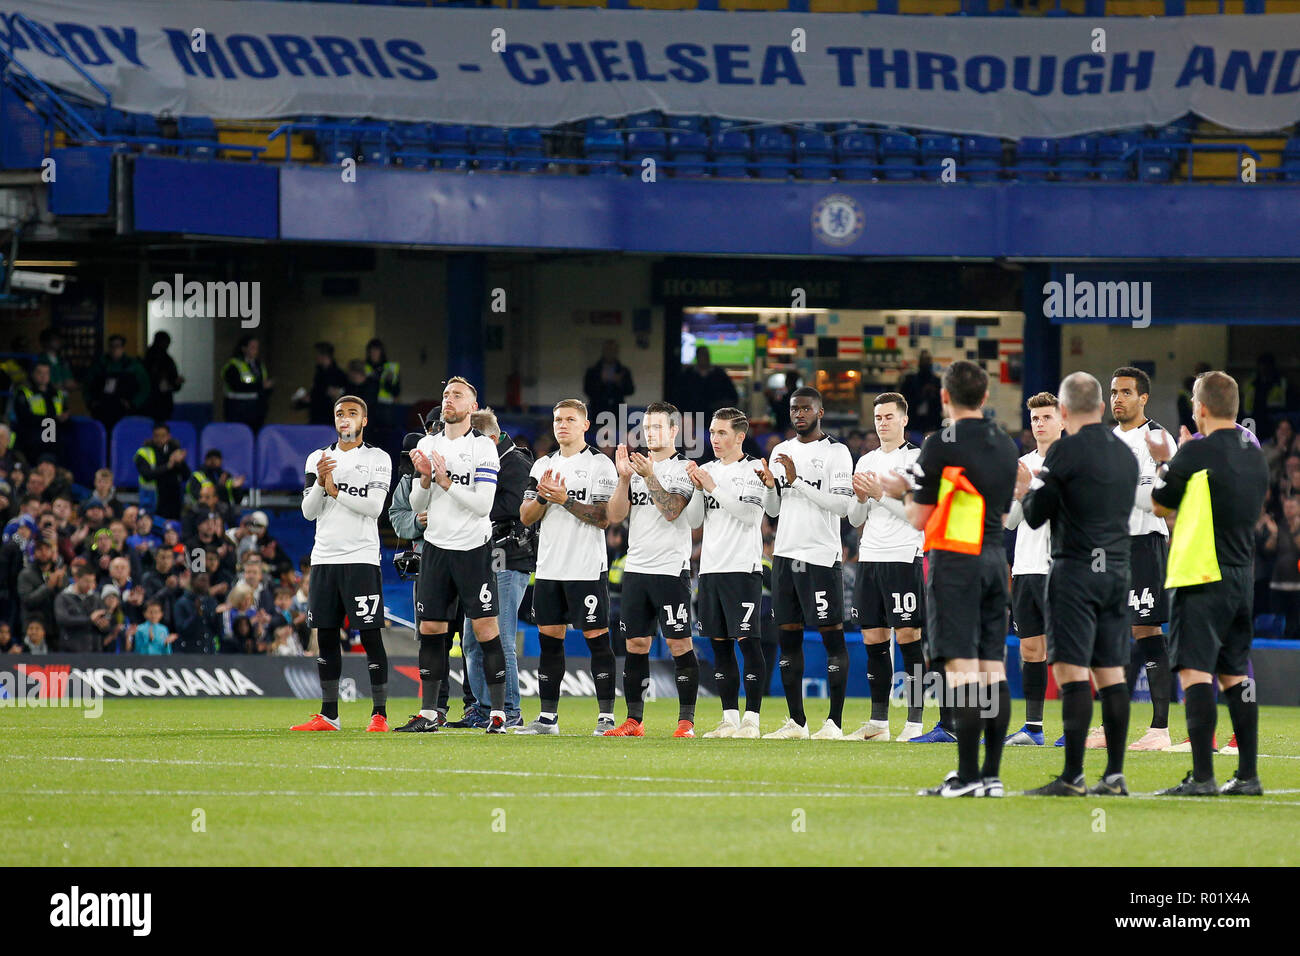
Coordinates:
(718, 125)
(813, 152)
(1074, 158)
(118, 123)
(772, 151)
(235, 441)
(1270, 625)
(452, 140)
(337, 145)
(732, 151)
(527, 149)
(375, 148)
(687, 124)
(643, 141)
(201, 129)
(604, 145)
(132, 432)
(1110, 167)
(1291, 160)
(489, 144)
(415, 143)
(282, 451)
(856, 149)
(691, 149)
(90, 440)
(1155, 170)
(599, 124)
(651, 119)
(935, 148)
(983, 158)
(898, 154)
(1035, 157)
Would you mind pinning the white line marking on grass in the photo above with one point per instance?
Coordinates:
(437, 770)
(494, 794)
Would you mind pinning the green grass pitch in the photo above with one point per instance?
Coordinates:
(203, 782)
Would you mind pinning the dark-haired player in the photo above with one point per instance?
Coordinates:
(344, 491)
(1029, 567)
(730, 599)
(568, 494)
(655, 489)
(889, 592)
(810, 493)
(456, 487)
(1130, 388)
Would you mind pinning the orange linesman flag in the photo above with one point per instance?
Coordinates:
(957, 522)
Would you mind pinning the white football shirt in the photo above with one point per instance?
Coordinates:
(805, 530)
(1033, 545)
(656, 545)
(471, 462)
(345, 533)
(885, 535)
(731, 544)
(1142, 520)
(569, 549)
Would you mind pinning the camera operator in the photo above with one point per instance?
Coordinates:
(514, 556)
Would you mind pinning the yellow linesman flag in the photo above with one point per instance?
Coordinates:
(1192, 557)
(957, 522)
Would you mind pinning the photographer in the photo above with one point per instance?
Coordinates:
(514, 558)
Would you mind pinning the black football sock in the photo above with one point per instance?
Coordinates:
(969, 723)
(995, 727)
(1034, 675)
(1114, 718)
(879, 679)
(1076, 714)
(791, 665)
(433, 669)
(837, 672)
(1245, 724)
(687, 675)
(602, 670)
(330, 666)
(445, 641)
(751, 649)
(913, 681)
(636, 682)
(945, 701)
(1155, 655)
(726, 677)
(377, 668)
(1202, 715)
(494, 671)
(550, 673)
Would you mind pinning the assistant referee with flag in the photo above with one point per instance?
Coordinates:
(1216, 486)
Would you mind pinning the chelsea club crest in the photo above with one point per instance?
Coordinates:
(837, 220)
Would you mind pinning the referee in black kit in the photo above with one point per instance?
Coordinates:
(966, 474)
(1211, 624)
(1086, 488)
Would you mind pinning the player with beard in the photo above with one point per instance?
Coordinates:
(655, 489)
(1130, 388)
(344, 491)
(811, 495)
(456, 487)
(1029, 567)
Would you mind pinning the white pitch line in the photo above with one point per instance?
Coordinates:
(529, 795)
(435, 770)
